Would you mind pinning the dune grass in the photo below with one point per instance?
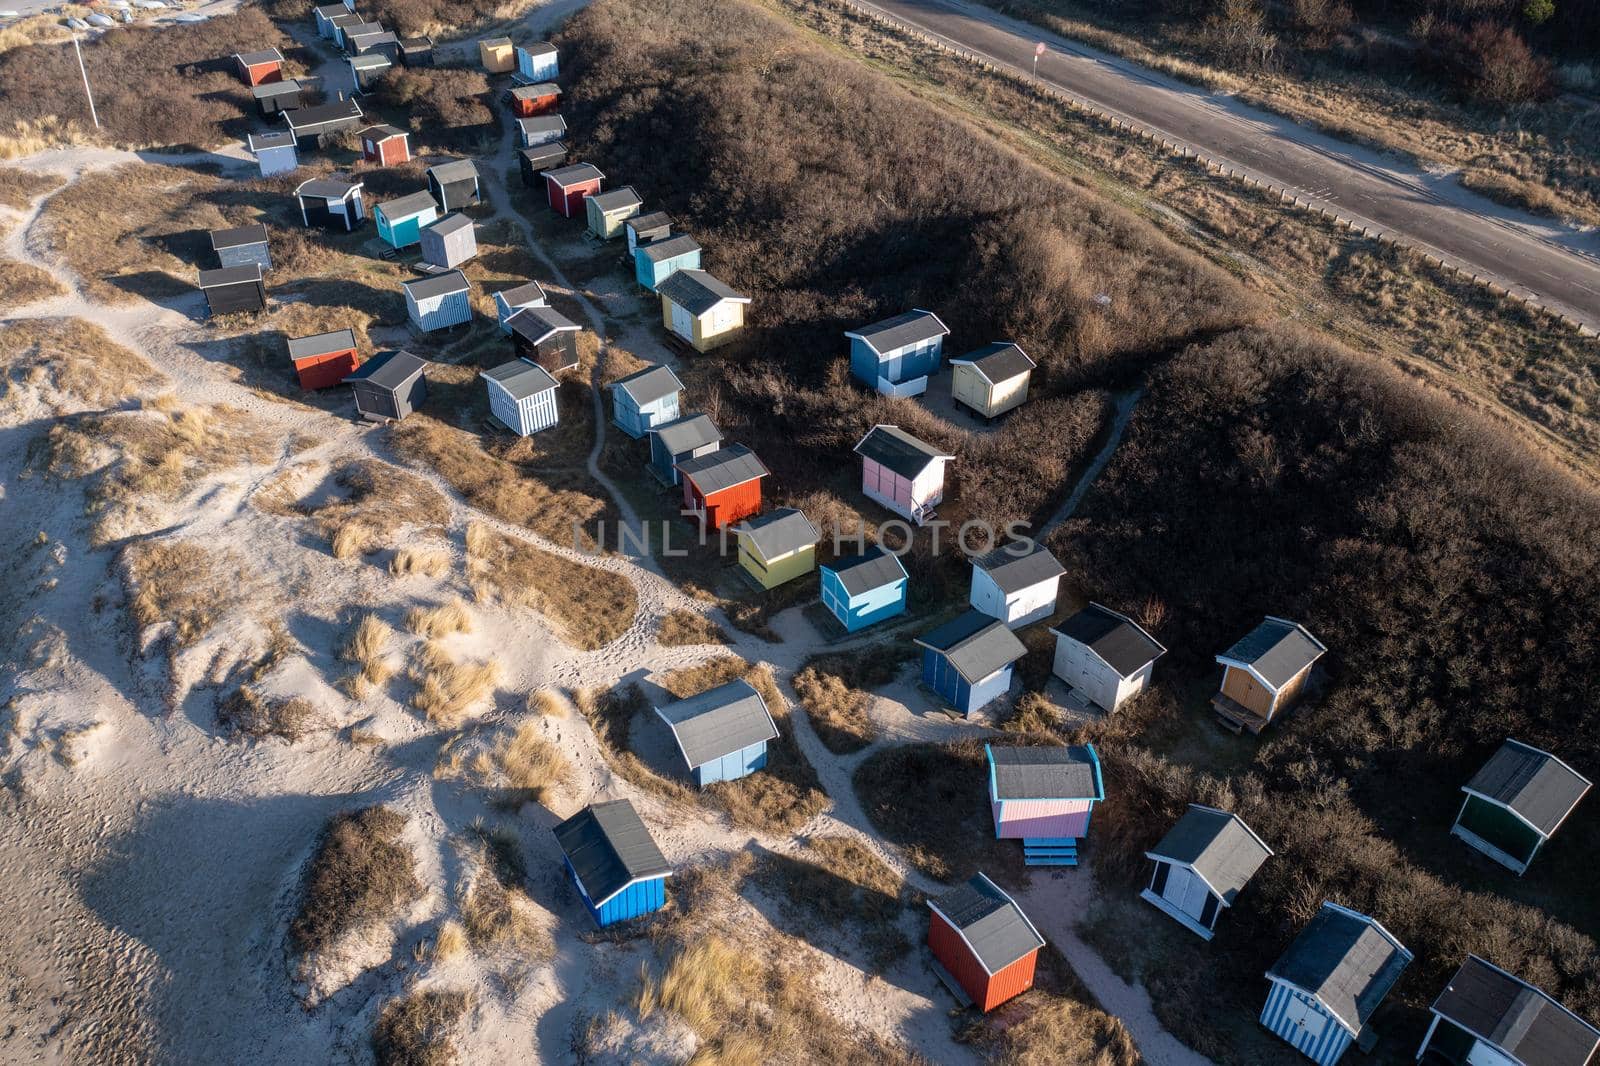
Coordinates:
(361, 873)
(70, 361)
(589, 606)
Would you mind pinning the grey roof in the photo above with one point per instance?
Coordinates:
(331, 10)
(1219, 846)
(535, 91)
(1014, 570)
(718, 722)
(537, 324)
(697, 292)
(891, 334)
(687, 433)
(275, 88)
(275, 139)
(990, 922)
(1277, 649)
(454, 222)
(649, 385)
(1515, 1017)
(537, 48)
(230, 275)
(540, 153)
(521, 378)
(975, 644)
(652, 220)
(411, 203)
(333, 113)
(527, 292)
(369, 61)
(382, 132)
(872, 569)
(389, 370)
(1117, 639)
(1539, 787)
(1346, 960)
(609, 849)
(251, 59)
(1055, 773)
(349, 18)
(893, 447)
(723, 468)
(668, 247)
(326, 188)
(437, 285)
(573, 175)
(542, 123)
(321, 343)
(779, 533)
(455, 170)
(615, 199)
(997, 362)
(495, 42)
(407, 43)
(238, 236)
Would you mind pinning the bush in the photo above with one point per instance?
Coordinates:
(416, 1030)
(451, 103)
(1492, 65)
(361, 873)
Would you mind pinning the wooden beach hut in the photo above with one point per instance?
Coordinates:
(438, 302)
(865, 589)
(533, 162)
(450, 241)
(569, 186)
(367, 69)
(608, 210)
(526, 101)
(897, 355)
(967, 661)
(613, 862)
(985, 949)
(777, 547)
(537, 62)
(644, 400)
(901, 472)
(389, 386)
(328, 203)
(311, 124)
(325, 359)
(400, 220)
(535, 130)
(722, 733)
(232, 289)
(276, 97)
(724, 486)
(642, 229)
(1016, 583)
(508, 302)
(1044, 797)
(497, 55)
(699, 309)
(1200, 867)
(1516, 802)
(385, 145)
(992, 380)
(259, 68)
(656, 261)
(522, 396)
(546, 336)
(275, 152)
(1104, 656)
(1487, 1016)
(678, 441)
(1264, 673)
(454, 184)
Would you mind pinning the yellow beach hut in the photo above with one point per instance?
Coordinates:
(993, 379)
(700, 309)
(497, 54)
(777, 547)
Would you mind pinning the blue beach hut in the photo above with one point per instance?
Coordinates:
(680, 440)
(642, 401)
(722, 732)
(537, 62)
(861, 590)
(615, 864)
(400, 221)
(968, 660)
(896, 356)
(657, 261)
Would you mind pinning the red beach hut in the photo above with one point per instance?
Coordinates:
(723, 486)
(570, 186)
(325, 359)
(259, 68)
(984, 942)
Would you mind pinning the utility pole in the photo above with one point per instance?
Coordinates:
(86, 91)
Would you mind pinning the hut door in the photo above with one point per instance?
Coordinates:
(682, 322)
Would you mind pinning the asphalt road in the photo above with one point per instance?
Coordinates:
(1555, 265)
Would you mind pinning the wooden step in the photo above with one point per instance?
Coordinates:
(1063, 861)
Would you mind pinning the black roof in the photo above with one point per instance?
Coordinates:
(543, 153)
(333, 113)
(609, 849)
(1054, 773)
(527, 292)
(975, 644)
(1346, 960)
(718, 722)
(542, 123)
(437, 285)
(536, 324)
(325, 189)
(872, 569)
(389, 370)
(650, 221)
(723, 468)
(899, 451)
(1218, 845)
(252, 59)
(891, 334)
(382, 132)
(1117, 639)
(1515, 1017)
(668, 247)
(210, 279)
(990, 922)
(1277, 649)
(997, 362)
(274, 139)
(321, 343)
(238, 236)
(1537, 786)
(650, 384)
(1013, 567)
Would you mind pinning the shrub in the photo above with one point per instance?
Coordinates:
(360, 873)
(248, 713)
(416, 1030)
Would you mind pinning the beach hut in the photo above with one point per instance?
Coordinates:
(274, 97)
(390, 385)
(993, 379)
(324, 15)
(1201, 866)
(569, 186)
(258, 68)
(235, 288)
(723, 486)
(1104, 656)
(310, 124)
(416, 51)
(896, 356)
(1516, 802)
(350, 34)
(1016, 583)
(1327, 984)
(1044, 797)
(374, 41)
(608, 210)
(777, 547)
(366, 69)
(1264, 673)
(242, 245)
(275, 152)
(902, 473)
(613, 862)
(985, 949)
(537, 62)
(449, 242)
(496, 55)
(400, 221)
(967, 661)
(339, 23)
(657, 261)
(522, 396)
(644, 400)
(454, 184)
(678, 441)
(533, 162)
(700, 309)
(642, 229)
(1488, 1017)
(545, 336)
(438, 302)
(324, 359)
(540, 129)
(722, 733)
(385, 145)
(863, 590)
(508, 302)
(331, 204)
(529, 100)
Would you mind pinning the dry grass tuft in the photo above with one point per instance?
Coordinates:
(703, 983)
(447, 690)
(518, 762)
(450, 942)
(366, 646)
(184, 583)
(417, 1030)
(547, 703)
(19, 188)
(248, 713)
(610, 713)
(360, 874)
(426, 562)
(440, 621)
(840, 884)
(683, 628)
(22, 284)
(352, 539)
(833, 690)
(71, 358)
(497, 913)
(592, 607)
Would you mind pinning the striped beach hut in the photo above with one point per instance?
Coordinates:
(985, 948)
(1516, 802)
(613, 862)
(438, 302)
(522, 396)
(450, 241)
(722, 733)
(644, 400)
(865, 589)
(1044, 797)
(968, 660)
(1200, 867)
(1326, 986)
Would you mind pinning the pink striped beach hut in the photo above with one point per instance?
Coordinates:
(1043, 796)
